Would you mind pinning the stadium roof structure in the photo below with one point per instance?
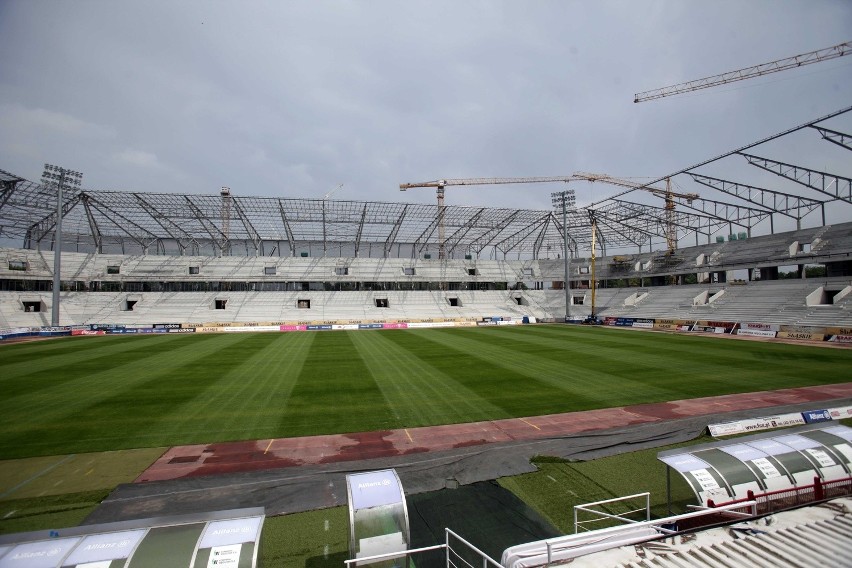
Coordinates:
(131, 222)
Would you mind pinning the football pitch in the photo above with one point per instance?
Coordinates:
(92, 394)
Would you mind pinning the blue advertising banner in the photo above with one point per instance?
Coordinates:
(813, 416)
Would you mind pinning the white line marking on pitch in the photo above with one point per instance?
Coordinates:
(9, 514)
(37, 475)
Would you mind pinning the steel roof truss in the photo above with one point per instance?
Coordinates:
(835, 137)
(818, 181)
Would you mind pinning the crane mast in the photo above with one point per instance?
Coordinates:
(667, 194)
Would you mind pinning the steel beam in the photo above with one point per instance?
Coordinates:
(805, 176)
(775, 201)
(835, 137)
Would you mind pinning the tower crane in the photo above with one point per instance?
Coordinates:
(667, 194)
(331, 192)
(440, 184)
(839, 50)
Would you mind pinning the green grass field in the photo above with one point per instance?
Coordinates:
(118, 392)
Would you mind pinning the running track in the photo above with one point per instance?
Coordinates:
(232, 457)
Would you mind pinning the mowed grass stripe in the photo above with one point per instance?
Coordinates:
(171, 389)
(249, 398)
(717, 364)
(115, 408)
(66, 398)
(418, 393)
(599, 380)
(648, 369)
(162, 392)
(693, 366)
(516, 389)
(335, 392)
(29, 370)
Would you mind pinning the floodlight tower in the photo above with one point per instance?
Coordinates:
(565, 199)
(60, 178)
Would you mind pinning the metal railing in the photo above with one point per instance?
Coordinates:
(601, 516)
(772, 501)
(461, 555)
(564, 548)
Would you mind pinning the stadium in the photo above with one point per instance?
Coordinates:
(654, 372)
(240, 359)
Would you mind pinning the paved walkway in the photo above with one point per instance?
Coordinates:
(232, 457)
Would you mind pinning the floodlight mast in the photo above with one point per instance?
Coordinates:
(565, 199)
(61, 177)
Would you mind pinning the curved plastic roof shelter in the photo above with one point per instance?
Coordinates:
(726, 471)
(378, 515)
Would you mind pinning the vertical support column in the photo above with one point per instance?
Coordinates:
(57, 252)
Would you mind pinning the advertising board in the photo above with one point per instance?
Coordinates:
(756, 333)
(755, 424)
(801, 335)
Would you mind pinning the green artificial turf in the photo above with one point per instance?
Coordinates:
(90, 394)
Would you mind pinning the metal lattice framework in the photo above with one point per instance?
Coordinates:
(162, 223)
(155, 223)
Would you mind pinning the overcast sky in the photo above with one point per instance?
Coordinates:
(292, 99)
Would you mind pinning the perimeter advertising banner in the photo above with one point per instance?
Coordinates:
(847, 331)
(752, 326)
(237, 329)
(801, 335)
(813, 416)
(428, 324)
(755, 424)
(756, 333)
(709, 326)
(803, 329)
(670, 324)
(841, 412)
